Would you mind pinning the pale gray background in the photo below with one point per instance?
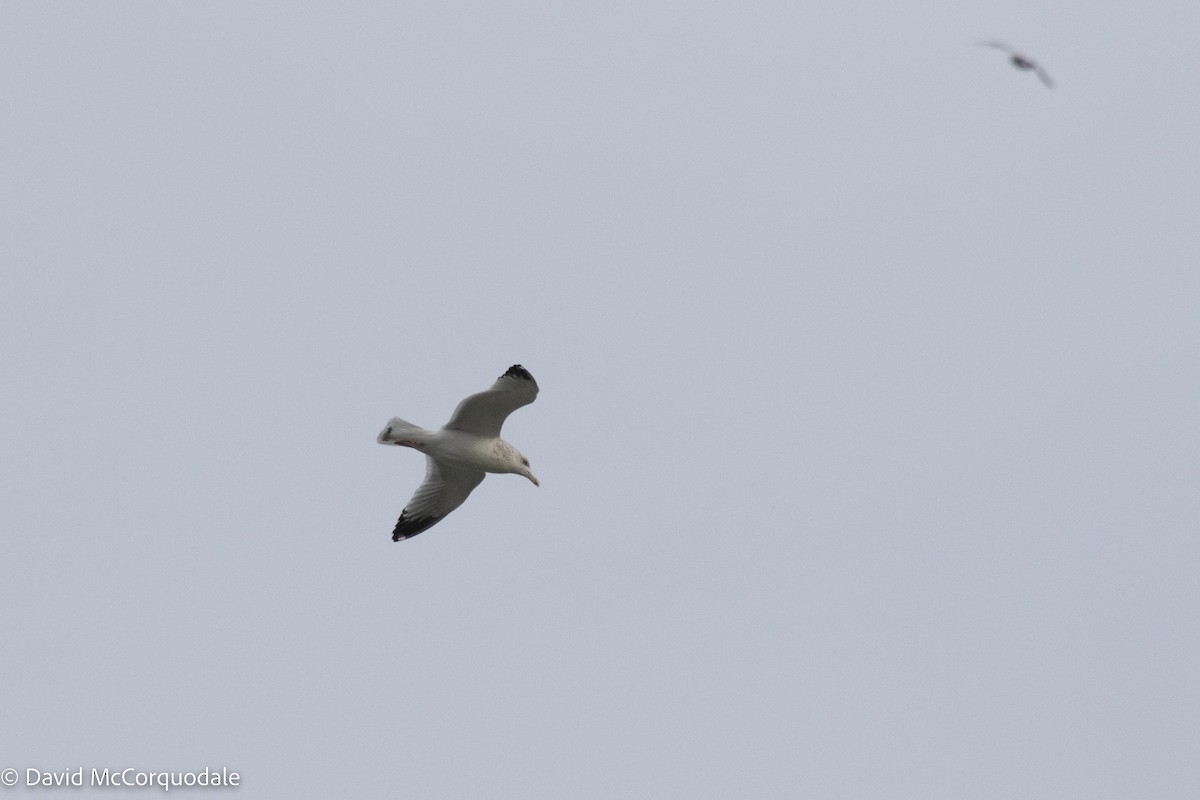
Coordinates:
(868, 430)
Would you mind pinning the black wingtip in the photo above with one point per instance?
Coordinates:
(517, 371)
(408, 527)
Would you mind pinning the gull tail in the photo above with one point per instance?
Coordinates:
(402, 433)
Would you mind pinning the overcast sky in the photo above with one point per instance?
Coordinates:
(867, 434)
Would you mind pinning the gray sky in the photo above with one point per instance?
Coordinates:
(867, 430)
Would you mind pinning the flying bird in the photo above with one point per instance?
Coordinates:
(458, 455)
(1022, 62)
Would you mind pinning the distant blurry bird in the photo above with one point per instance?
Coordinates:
(1022, 62)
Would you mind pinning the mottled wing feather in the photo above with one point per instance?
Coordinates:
(483, 414)
(443, 490)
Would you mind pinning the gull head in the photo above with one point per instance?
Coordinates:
(524, 470)
(509, 459)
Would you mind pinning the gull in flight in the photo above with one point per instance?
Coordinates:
(1022, 62)
(458, 455)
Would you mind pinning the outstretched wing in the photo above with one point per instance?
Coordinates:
(997, 45)
(443, 490)
(483, 414)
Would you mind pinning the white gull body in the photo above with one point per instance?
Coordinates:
(466, 448)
